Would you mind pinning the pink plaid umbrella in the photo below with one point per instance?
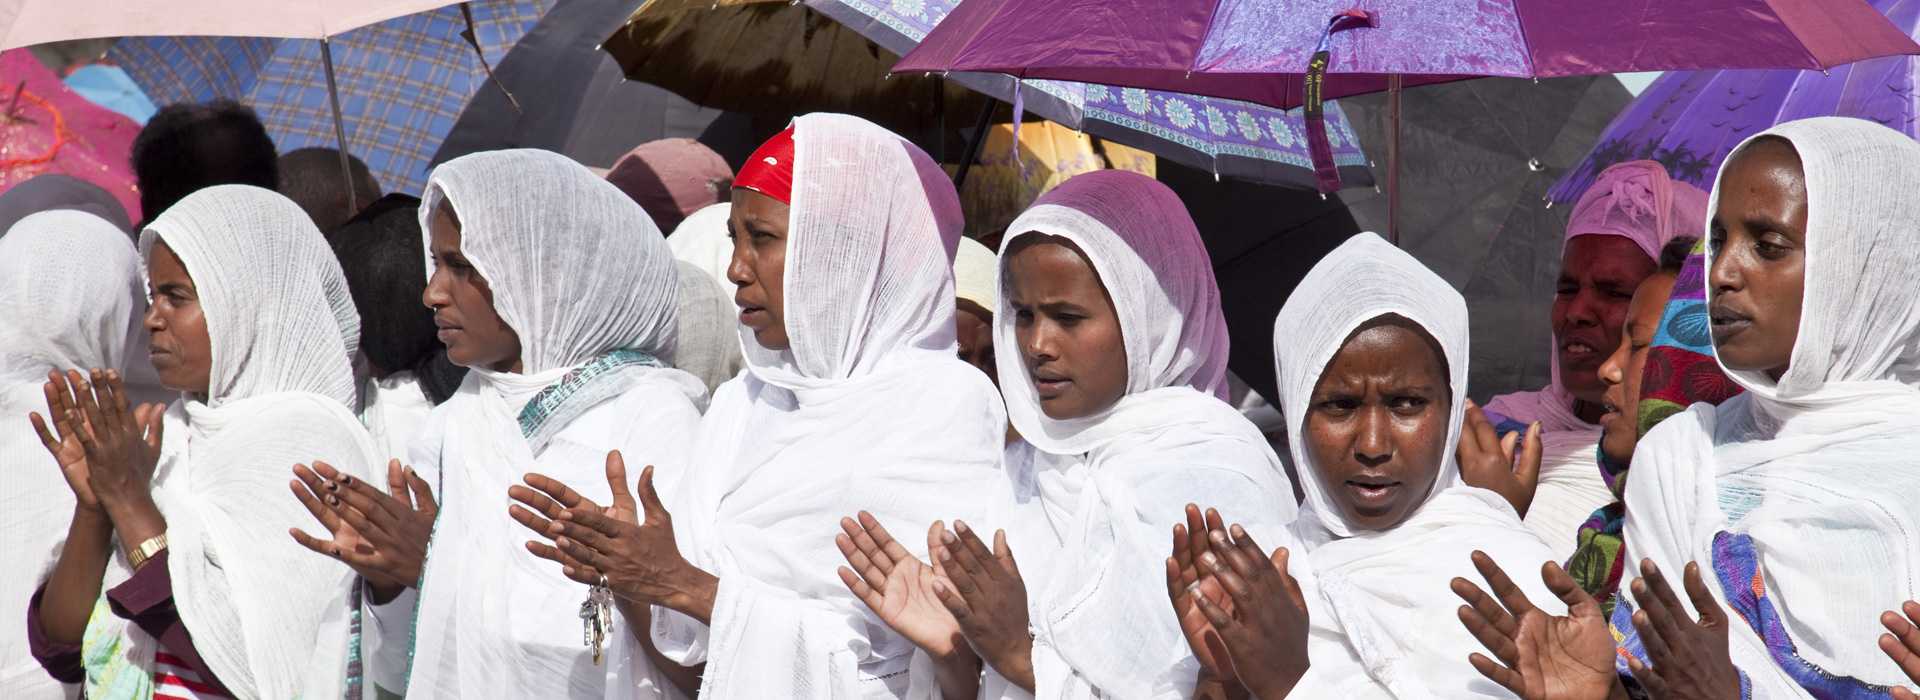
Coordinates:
(47, 128)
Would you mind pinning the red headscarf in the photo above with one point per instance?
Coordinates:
(769, 170)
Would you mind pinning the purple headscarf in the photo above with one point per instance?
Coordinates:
(1638, 201)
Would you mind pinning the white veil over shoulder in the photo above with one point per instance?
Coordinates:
(583, 277)
(869, 409)
(1797, 497)
(69, 297)
(1383, 617)
(280, 392)
(1106, 489)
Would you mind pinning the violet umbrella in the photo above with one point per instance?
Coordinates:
(1690, 121)
(1289, 53)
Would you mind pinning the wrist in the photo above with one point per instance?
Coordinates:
(693, 592)
(1278, 686)
(1015, 662)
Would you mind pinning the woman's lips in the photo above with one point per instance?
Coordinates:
(1050, 387)
(1373, 496)
(750, 314)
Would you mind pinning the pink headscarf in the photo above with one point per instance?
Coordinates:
(672, 179)
(1635, 200)
(1639, 201)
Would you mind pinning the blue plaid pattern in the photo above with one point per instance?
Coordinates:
(403, 82)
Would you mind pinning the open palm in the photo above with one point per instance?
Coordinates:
(897, 586)
(1541, 655)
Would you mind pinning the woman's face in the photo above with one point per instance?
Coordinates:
(462, 303)
(1598, 274)
(973, 328)
(758, 228)
(179, 346)
(1376, 426)
(1065, 324)
(1759, 234)
(1624, 369)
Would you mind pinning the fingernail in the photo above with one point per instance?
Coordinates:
(1217, 537)
(960, 525)
(346, 480)
(1239, 532)
(333, 500)
(944, 556)
(1208, 558)
(332, 486)
(948, 538)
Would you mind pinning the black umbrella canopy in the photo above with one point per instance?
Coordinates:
(1477, 158)
(573, 99)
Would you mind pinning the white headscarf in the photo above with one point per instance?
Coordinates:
(870, 409)
(581, 274)
(1383, 617)
(702, 240)
(1110, 486)
(282, 332)
(69, 294)
(1818, 471)
(708, 346)
(974, 270)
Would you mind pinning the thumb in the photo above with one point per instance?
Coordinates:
(617, 481)
(650, 499)
(1292, 586)
(1528, 464)
(1507, 444)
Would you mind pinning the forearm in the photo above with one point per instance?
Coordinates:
(74, 586)
(639, 619)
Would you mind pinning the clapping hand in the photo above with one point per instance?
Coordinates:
(382, 537)
(988, 598)
(1491, 462)
(107, 452)
(898, 587)
(1265, 635)
(1690, 657)
(1540, 656)
(628, 546)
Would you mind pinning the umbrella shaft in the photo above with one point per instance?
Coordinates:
(339, 127)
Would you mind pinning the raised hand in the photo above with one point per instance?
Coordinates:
(989, 600)
(1265, 636)
(897, 586)
(382, 537)
(628, 546)
(1490, 462)
(63, 439)
(1690, 658)
(1540, 656)
(121, 444)
(1902, 644)
(1187, 582)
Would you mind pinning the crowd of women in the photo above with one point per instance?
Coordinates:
(1718, 495)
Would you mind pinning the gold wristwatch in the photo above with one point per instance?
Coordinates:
(140, 553)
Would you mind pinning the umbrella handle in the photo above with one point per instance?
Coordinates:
(1326, 173)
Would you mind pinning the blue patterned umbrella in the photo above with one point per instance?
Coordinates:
(401, 82)
(754, 54)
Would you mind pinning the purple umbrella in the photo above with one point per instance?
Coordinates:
(1690, 121)
(1259, 50)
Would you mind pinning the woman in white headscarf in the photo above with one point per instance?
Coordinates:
(853, 398)
(1613, 242)
(558, 294)
(1795, 498)
(1371, 355)
(69, 289)
(196, 600)
(1114, 364)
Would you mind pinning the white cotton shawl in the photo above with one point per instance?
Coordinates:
(709, 340)
(1820, 469)
(1103, 492)
(1382, 613)
(69, 296)
(578, 271)
(394, 409)
(254, 601)
(870, 409)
